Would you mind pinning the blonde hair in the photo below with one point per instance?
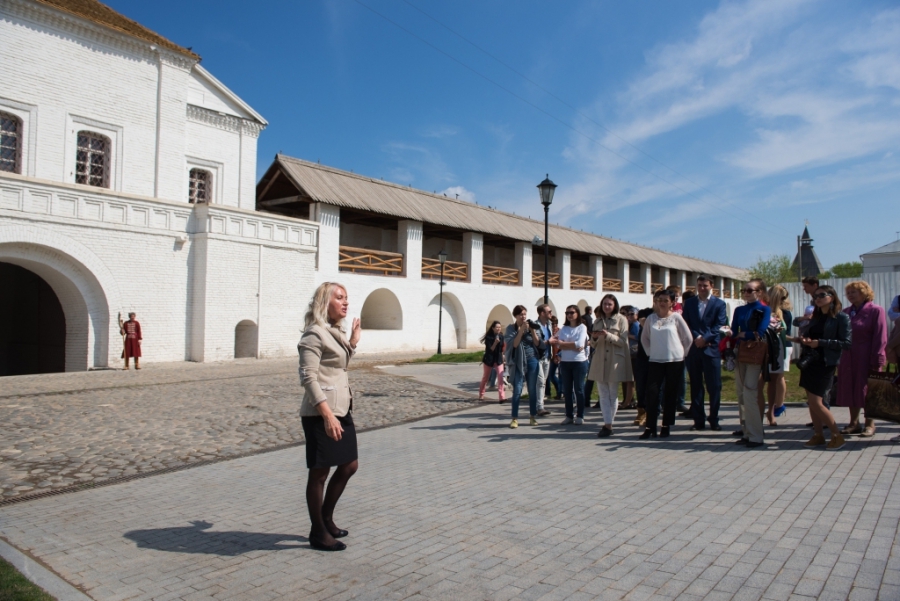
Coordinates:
(317, 314)
(863, 288)
(778, 301)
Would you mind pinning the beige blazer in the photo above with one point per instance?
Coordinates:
(612, 358)
(324, 356)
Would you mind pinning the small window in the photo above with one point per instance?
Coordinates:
(92, 160)
(10, 143)
(200, 189)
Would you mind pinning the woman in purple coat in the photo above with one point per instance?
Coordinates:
(869, 335)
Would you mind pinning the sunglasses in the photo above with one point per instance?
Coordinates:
(571, 312)
(749, 290)
(821, 295)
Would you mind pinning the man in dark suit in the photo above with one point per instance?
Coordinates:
(705, 315)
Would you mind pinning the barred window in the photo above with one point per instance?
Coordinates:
(92, 159)
(200, 189)
(10, 143)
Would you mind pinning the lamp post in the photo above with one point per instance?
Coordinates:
(442, 257)
(546, 189)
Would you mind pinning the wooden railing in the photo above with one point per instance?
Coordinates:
(364, 260)
(636, 287)
(507, 276)
(654, 286)
(581, 282)
(728, 293)
(691, 288)
(716, 292)
(612, 285)
(453, 270)
(537, 279)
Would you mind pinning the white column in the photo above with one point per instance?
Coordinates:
(720, 284)
(563, 266)
(595, 268)
(473, 254)
(646, 275)
(680, 280)
(329, 219)
(409, 242)
(623, 269)
(665, 275)
(524, 263)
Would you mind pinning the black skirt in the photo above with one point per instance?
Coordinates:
(817, 378)
(324, 451)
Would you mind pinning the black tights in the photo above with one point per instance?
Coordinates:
(321, 501)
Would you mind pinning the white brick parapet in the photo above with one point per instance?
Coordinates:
(41, 200)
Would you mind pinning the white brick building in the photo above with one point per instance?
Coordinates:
(127, 183)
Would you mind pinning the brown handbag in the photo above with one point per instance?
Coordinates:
(883, 395)
(752, 352)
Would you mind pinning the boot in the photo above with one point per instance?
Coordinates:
(836, 442)
(641, 418)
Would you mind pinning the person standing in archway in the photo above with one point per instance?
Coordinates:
(131, 330)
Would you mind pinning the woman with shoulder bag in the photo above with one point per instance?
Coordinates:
(749, 324)
(493, 359)
(827, 336)
(612, 360)
(326, 410)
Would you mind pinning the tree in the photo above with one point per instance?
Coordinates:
(854, 269)
(774, 270)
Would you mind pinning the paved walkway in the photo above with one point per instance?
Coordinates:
(460, 507)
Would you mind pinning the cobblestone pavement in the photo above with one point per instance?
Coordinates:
(460, 507)
(81, 428)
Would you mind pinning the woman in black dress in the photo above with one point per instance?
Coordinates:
(827, 336)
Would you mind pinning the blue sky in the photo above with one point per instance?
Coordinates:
(713, 129)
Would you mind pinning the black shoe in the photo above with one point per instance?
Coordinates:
(696, 428)
(664, 432)
(543, 412)
(596, 405)
(810, 425)
(340, 533)
(715, 427)
(648, 433)
(738, 433)
(742, 441)
(315, 544)
(604, 432)
(754, 445)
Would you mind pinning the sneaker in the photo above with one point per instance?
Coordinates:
(779, 411)
(532, 421)
(817, 441)
(543, 412)
(514, 424)
(567, 421)
(836, 442)
(579, 421)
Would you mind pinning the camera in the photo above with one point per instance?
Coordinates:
(533, 325)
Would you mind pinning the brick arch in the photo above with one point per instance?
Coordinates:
(84, 285)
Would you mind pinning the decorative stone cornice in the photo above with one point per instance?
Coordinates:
(222, 121)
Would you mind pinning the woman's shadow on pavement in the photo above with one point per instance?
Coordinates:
(197, 539)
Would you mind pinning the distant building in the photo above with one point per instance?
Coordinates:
(806, 260)
(882, 259)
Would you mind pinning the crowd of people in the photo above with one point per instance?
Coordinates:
(650, 354)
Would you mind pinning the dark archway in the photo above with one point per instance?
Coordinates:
(33, 326)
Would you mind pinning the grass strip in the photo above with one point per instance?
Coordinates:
(15, 587)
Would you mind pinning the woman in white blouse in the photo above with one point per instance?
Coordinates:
(666, 339)
(572, 341)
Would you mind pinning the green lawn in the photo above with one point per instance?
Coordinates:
(15, 587)
(474, 357)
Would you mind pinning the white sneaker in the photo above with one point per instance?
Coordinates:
(579, 421)
(566, 421)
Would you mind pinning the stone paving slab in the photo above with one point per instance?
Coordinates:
(88, 427)
(461, 507)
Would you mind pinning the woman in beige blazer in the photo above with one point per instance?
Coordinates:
(325, 353)
(611, 363)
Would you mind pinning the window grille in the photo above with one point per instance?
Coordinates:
(200, 186)
(10, 143)
(92, 160)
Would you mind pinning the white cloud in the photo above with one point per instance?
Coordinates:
(460, 192)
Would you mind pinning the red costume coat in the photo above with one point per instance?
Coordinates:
(132, 330)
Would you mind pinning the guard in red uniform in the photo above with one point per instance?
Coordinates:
(131, 329)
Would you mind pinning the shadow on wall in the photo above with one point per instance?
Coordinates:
(246, 339)
(197, 539)
(381, 311)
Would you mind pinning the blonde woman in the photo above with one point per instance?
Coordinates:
(325, 352)
(780, 363)
(612, 359)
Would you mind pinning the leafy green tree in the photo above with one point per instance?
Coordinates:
(854, 269)
(774, 270)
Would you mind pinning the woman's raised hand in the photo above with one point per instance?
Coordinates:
(355, 333)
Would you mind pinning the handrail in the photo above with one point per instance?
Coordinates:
(636, 287)
(716, 292)
(612, 284)
(453, 270)
(728, 293)
(581, 282)
(507, 276)
(654, 286)
(537, 279)
(366, 260)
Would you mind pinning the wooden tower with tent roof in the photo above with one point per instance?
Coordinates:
(806, 263)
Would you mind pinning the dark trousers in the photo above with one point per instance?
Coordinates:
(572, 375)
(589, 385)
(704, 369)
(552, 378)
(659, 372)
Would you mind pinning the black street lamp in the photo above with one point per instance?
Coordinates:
(442, 257)
(546, 188)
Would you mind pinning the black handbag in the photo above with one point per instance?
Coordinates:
(807, 358)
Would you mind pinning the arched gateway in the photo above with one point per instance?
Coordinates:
(84, 291)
